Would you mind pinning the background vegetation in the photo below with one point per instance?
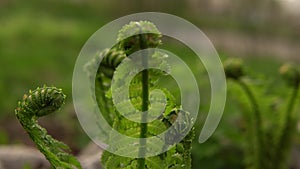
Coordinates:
(40, 41)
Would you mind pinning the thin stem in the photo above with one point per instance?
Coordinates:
(257, 121)
(105, 100)
(288, 124)
(145, 102)
(291, 104)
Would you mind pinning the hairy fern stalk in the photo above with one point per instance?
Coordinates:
(38, 103)
(269, 140)
(176, 157)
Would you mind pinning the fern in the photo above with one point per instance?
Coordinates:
(35, 104)
(134, 37)
(175, 151)
(267, 148)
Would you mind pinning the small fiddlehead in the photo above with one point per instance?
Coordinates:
(38, 103)
(234, 70)
(291, 75)
(270, 147)
(138, 35)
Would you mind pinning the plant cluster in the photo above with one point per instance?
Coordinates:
(270, 125)
(132, 37)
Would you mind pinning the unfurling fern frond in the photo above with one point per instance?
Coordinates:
(267, 148)
(35, 104)
(105, 63)
(138, 35)
(133, 37)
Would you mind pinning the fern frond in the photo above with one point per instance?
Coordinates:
(133, 37)
(110, 59)
(174, 158)
(37, 103)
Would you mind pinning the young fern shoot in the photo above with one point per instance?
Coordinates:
(269, 149)
(132, 38)
(38, 103)
(174, 147)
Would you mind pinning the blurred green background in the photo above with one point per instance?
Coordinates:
(41, 39)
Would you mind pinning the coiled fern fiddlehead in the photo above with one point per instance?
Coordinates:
(291, 75)
(38, 103)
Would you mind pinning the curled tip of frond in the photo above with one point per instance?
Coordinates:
(290, 74)
(41, 101)
(129, 36)
(135, 28)
(110, 59)
(234, 68)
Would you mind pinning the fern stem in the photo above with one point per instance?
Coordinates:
(105, 101)
(285, 133)
(145, 101)
(256, 123)
(291, 104)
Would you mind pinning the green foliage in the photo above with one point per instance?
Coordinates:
(46, 100)
(131, 40)
(35, 104)
(270, 125)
